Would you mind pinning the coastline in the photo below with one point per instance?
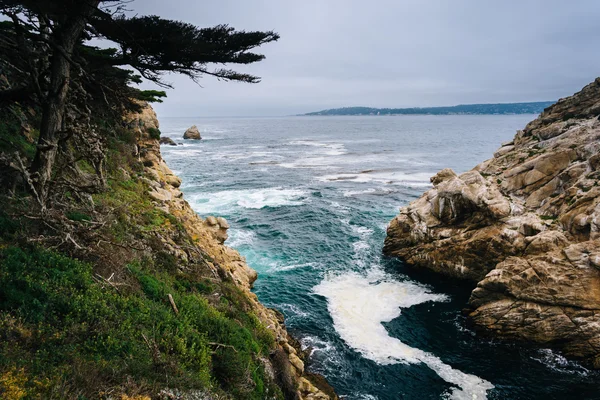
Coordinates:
(523, 226)
(208, 235)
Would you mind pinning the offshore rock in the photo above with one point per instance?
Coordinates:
(167, 140)
(192, 133)
(524, 225)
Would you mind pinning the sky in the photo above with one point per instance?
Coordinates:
(396, 53)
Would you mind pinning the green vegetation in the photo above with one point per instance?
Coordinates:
(11, 137)
(89, 265)
(66, 331)
(154, 133)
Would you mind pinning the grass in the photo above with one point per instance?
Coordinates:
(63, 332)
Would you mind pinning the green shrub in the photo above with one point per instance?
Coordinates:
(59, 324)
(154, 133)
(78, 216)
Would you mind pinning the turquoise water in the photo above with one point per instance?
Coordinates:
(308, 200)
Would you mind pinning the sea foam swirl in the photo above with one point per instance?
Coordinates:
(358, 305)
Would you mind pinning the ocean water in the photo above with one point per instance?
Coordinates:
(309, 199)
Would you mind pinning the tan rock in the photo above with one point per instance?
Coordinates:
(297, 362)
(221, 261)
(223, 223)
(525, 225)
(192, 133)
(161, 194)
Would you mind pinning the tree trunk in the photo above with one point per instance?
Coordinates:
(66, 36)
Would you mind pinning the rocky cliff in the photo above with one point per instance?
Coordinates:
(119, 290)
(286, 363)
(524, 226)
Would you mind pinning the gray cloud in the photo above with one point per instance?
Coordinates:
(382, 53)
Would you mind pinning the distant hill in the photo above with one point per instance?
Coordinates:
(467, 109)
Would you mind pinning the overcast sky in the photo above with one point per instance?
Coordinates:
(396, 53)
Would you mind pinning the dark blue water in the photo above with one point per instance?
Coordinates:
(309, 199)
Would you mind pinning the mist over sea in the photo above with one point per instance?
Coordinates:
(309, 199)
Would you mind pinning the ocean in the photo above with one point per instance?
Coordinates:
(308, 200)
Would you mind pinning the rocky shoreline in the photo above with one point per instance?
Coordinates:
(524, 226)
(286, 364)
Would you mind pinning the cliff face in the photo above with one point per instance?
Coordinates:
(286, 363)
(525, 226)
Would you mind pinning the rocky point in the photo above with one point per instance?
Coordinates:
(524, 226)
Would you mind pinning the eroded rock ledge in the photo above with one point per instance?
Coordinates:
(285, 364)
(524, 225)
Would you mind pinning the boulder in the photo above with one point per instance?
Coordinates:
(192, 133)
(222, 223)
(167, 140)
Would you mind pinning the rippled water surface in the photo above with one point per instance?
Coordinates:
(308, 200)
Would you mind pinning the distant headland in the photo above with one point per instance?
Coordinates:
(462, 109)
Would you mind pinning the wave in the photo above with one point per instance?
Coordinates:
(313, 344)
(330, 148)
(226, 201)
(292, 311)
(311, 162)
(291, 267)
(240, 237)
(358, 305)
(183, 152)
(390, 177)
(557, 362)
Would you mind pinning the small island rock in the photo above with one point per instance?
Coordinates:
(167, 140)
(192, 133)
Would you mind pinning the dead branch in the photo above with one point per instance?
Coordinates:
(173, 303)
(222, 345)
(109, 282)
(29, 181)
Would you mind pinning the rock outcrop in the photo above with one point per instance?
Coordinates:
(192, 133)
(167, 140)
(208, 235)
(524, 225)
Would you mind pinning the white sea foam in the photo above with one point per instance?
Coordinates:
(419, 179)
(291, 267)
(312, 162)
(359, 304)
(316, 345)
(343, 209)
(225, 201)
(352, 193)
(292, 311)
(364, 396)
(189, 152)
(240, 237)
(559, 363)
(329, 148)
(362, 231)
